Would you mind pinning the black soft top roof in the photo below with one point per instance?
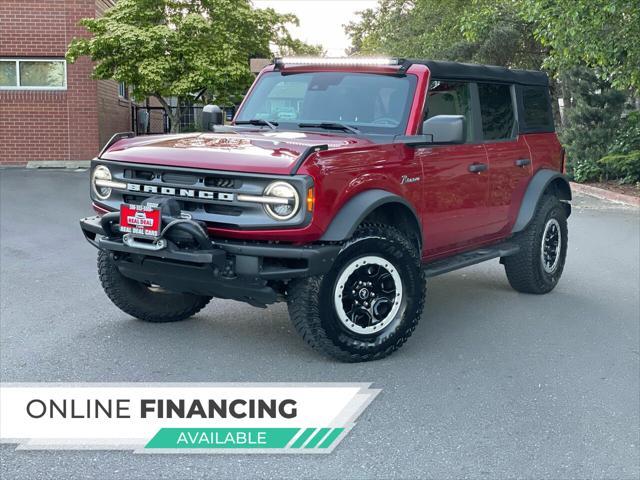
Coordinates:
(472, 71)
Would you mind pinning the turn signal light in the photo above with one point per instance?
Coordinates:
(311, 199)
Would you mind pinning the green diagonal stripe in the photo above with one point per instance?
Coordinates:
(222, 438)
(331, 437)
(302, 438)
(317, 437)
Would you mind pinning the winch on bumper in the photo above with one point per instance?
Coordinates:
(252, 272)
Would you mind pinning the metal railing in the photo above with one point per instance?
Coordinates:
(147, 120)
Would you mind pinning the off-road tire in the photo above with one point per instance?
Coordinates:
(311, 299)
(139, 301)
(525, 270)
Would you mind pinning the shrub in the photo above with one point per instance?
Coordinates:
(623, 166)
(587, 171)
(628, 137)
(623, 159)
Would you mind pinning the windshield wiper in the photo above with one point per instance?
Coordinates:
(258, 122)
(330, 126)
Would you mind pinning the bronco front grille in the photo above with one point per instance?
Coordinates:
(183, 178)
(209, 196)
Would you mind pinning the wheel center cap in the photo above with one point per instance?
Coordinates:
(363, 293)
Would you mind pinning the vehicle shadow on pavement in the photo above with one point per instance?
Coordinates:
(230, 341)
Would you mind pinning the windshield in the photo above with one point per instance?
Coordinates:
(370, 103)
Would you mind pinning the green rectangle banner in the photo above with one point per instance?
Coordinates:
(222, 438)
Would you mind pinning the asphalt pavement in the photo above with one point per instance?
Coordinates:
(492, 384)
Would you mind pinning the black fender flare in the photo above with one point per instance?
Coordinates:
(536, 188)
(356, 209)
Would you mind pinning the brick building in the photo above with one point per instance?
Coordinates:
(51, 110)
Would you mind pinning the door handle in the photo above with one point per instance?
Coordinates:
(523, 162)
(478, 167)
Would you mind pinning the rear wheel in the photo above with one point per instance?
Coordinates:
(146, 302)
(538, 266)
(368, 304)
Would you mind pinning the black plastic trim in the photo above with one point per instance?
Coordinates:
(477, 72)
(306, 154)
(114, 139)
(467, 259)
(197, 279)
(537, 185)
(356, 209)
(318, 258)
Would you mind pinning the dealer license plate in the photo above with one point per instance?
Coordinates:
(140, 220)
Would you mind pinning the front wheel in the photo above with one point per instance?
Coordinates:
(370, 301)
(146, 302)
(537, 267)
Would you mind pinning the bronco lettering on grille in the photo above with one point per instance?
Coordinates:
(181, 192)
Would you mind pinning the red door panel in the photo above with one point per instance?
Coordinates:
(510, 166)
(454, 199)
(545, 149)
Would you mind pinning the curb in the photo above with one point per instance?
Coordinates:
(603, 194)
(68, 164)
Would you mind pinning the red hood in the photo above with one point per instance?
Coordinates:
(273, 152)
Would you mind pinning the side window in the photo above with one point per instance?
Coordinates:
(450, 98)
(537, 109)
(496, 108)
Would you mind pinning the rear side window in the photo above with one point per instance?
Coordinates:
(496, 108)
(537, 109)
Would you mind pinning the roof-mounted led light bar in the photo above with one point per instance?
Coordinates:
(337, 61)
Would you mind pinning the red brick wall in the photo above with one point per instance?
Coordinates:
(114, 113)
(48, 125)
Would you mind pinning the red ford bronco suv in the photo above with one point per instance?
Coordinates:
(340, 186)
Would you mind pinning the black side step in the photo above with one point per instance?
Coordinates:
(469, 258)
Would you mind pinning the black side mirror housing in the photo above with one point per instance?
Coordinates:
(445, 129)
(212, 115)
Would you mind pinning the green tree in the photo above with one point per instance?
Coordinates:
(592, 120)
(298, 47)
(480, 31)
(601, 34)
(499, 35)
(408, 28)
(165, 48)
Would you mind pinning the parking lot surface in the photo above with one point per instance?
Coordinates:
(493, 383)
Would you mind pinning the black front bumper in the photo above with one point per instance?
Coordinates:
(245, 271)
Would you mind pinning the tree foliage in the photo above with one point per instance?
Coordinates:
(556, 34)
(409, 28)
(592, 120)
(601, 34)
(479, 31)
(165, 48)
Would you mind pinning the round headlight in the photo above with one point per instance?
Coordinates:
(101, 173)
(285, 210)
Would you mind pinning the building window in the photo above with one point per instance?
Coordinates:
(33, 74)
(123, 90)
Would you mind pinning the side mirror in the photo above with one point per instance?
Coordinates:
(211, 116)
(445, 129)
